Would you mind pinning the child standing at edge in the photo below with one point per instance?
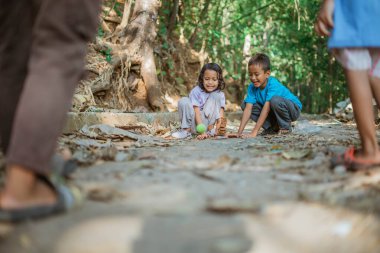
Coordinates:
(205, 104)
(355, 40)
(268, 102)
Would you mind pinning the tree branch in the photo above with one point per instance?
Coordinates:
(248, 14)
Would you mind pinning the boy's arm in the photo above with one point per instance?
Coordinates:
(245, 118)
(260, 121)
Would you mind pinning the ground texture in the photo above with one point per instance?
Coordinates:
(275, 194)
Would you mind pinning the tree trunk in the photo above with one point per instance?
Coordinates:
(246, 54)
(173, 17)
(139, 40)
(126, 16)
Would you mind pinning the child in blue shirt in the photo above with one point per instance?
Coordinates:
(354, 26)
(269, 103)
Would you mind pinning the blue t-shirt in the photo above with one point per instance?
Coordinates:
(273, 88)
(356, 24)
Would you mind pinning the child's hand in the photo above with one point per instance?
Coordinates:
(203, 136)
(231, 135)
(325, 18)
(247, 136)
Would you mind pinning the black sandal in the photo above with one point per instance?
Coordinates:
(67, 199)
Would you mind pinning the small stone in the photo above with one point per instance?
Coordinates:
(340, 169)
(121, 157)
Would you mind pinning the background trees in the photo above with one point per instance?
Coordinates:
(192, 32)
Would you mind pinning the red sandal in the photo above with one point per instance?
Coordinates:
(352, 163)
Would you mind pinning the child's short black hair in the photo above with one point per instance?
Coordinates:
(260, 59)
(217, 69)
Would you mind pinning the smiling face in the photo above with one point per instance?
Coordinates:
(210, 80)
(258, 76)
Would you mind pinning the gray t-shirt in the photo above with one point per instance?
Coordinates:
(198, 97)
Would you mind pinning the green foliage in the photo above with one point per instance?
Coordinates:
(284, 29)
(118, 9)
(161, 73)
(179, 80)
(107, 54)
(100, 32)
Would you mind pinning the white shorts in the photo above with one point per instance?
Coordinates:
(359, 59)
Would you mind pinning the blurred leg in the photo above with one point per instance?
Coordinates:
(59, 41)
(375, 75)
(16, 21)
(361, 98)
(375, 87)
(59, 44)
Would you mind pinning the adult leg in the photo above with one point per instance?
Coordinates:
(16, 22)
(55, 67)
(61, 31)
(285, 111)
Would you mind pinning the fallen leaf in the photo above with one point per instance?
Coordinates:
(296, 154)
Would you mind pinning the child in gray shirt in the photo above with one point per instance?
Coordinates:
(205, 104)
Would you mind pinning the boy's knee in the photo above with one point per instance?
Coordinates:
(276, 101)
(243, 105)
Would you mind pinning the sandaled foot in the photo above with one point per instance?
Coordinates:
(284, 131)
(352, 162)
(66, 199)
(269, 131)
(181, 134)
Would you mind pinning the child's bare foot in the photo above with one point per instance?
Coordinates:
(375, 157)
(233, 135)
(355, 160)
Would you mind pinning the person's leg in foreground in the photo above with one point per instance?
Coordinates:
(363, 86)
(361, 71)
(51, 60)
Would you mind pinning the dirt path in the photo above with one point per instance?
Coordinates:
(263, 195)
